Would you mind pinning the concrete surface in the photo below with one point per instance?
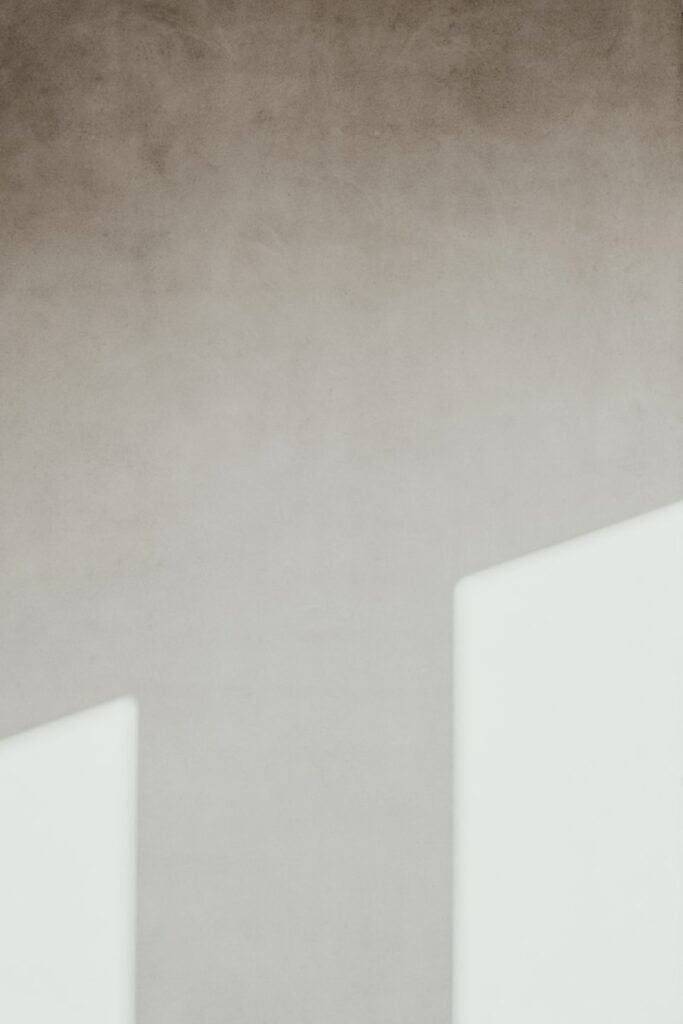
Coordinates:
(309, 309)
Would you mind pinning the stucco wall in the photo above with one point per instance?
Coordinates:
(309, 309)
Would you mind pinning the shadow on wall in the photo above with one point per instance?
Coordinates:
(67, 869)
(568, 812)
(568, 817)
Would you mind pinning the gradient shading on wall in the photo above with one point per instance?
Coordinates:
(308, 310)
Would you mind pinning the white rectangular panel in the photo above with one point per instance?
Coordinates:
(568, 875)
(67, 870)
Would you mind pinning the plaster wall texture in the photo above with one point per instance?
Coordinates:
(308, 310)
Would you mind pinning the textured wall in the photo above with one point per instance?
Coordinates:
(309, 308)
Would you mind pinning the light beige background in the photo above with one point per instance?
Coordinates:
(308, 309)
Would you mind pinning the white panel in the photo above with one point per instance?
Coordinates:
(569, 783)
(67, 837)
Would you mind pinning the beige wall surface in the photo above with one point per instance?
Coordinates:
(309, 309)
